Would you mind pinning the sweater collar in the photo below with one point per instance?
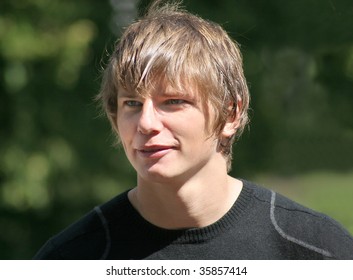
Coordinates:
(193, 235)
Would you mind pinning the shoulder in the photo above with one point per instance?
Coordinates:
(303, 227)
(87, 237)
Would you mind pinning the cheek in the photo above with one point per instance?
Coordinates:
(195, 131)
(124, 125)
(197, 127)
(125, 133)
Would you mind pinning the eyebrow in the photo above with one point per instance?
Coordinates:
(174, 93)
(165, 94)
(127, 95)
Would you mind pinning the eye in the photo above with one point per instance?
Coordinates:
(175, 101)
(132, 103)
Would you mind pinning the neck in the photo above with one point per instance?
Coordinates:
(197, 202)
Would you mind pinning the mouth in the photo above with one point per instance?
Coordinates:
(155, 151)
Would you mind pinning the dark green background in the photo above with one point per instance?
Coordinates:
(56, 155)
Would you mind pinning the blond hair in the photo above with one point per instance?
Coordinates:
(184, 49)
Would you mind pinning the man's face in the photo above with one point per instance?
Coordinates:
(165, 134)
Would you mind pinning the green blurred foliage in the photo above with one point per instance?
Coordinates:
(56, 155)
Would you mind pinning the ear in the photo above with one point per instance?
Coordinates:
(232, 122)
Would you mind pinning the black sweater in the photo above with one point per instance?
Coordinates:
(260, 225)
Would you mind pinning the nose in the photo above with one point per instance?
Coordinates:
(149, 121)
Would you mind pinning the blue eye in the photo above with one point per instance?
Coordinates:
(132, 103)
(175, 101)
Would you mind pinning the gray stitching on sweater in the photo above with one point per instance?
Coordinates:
(107, 233)
(290, 238)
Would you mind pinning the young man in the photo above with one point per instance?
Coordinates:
(175, 94)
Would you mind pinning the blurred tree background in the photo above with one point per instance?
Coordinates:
(57, 160)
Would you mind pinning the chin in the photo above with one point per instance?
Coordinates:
(160, 174)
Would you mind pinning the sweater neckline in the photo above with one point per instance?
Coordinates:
(192, 235)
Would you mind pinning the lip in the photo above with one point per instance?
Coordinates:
(154, 151)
